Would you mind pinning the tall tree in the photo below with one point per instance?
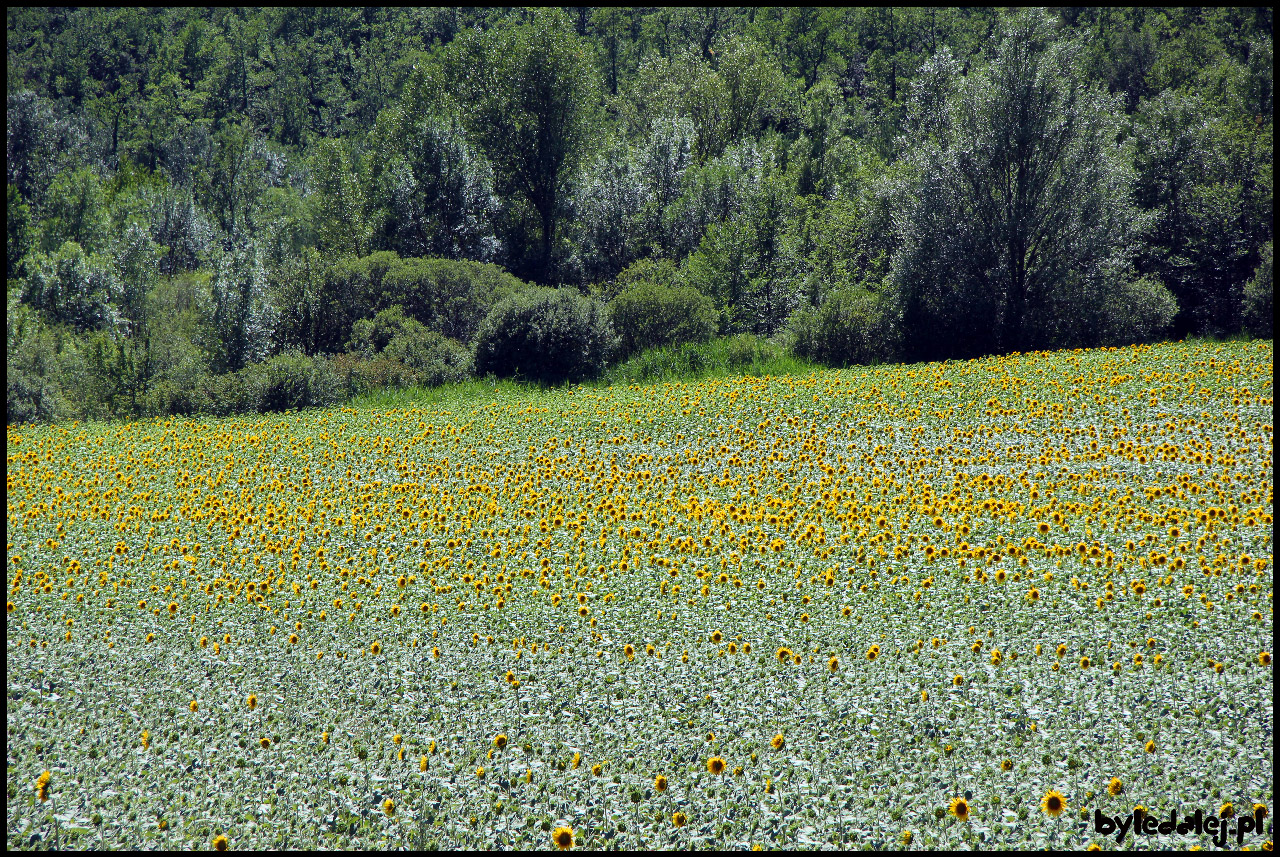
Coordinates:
(1020, 225)
(529, 96)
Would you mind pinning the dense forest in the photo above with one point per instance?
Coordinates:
(229, 210)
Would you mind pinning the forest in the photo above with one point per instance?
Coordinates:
(216, 211)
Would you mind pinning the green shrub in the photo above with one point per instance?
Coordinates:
(369, 336)
(360, 377)
(650, 315)
(1259, 297)
(852, 326)
(1133, 311)
(448, 296)
(32, 398)
(545, 335)
(294, 380)
(34, 370)
(432, 358)
(241, 392)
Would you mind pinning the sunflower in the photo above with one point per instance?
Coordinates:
(679, 819)
(376, 648)
(957, 680)
(834, 664)
(660, 784)
(194, 706)
(1115, 787)
(784, 654)
(480, 773)
(1264, 658)
(42, 786)
(389, 807)
(500, 740)
(1227, 811)
(1006, 765)
(873, 653)
(219, 843)
(960, 809)
(1053, 803)
(778, 741)
(1150, 746)
(563, 838)
(628, 651)
(1084, 663)
(715, 765)
(252, 701)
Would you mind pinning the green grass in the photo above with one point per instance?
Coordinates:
(727, 356)
(731, 355)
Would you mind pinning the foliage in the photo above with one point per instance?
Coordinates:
(850, 326)
(741, 354)
(527, 94)
(650, 314)
(294, 380)
(434, 359)
(1022, 204)
(769, 157)
(545, 336)
(1259, 295)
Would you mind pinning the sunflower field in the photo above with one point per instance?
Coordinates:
(937, 605)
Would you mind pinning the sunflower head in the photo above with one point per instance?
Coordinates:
(500, 740)
(563, 838)
(715, 765)
(679, 819)
(660, 783)
(389, 807)
(960, 809)
(1053, 803)
(778, 741)
(1115, 787)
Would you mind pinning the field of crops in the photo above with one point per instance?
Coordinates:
(943, 605)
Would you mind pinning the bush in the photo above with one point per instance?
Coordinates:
(240, 392)
(545, 335)
(33, 364)
(359, 377)
(649, 315)
(369, 336)
(32, 398)
(852, 326)
(294, 380)
(432, 358)
(1259, 297)
(1134, 311)
(452, 297)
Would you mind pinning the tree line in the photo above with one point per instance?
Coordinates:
(227, 210)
